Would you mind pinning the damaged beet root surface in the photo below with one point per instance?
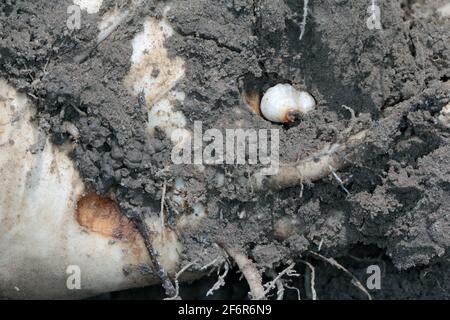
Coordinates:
(396, 214)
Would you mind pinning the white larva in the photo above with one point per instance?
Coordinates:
(283, 103)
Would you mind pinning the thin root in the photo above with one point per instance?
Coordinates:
(312, 168)
(249, 271)
(305, 15)
(289, 271)
(177, 284)
(296, 289)
(154, 257)
(339, 180)
(312, 278)
(353, 121)
(162, 205)
(337, 265)
(220, 281)
(209, 264)
(279, 283)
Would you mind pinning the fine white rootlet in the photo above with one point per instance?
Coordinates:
(283, 103)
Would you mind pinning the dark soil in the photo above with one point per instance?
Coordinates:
(398, 212)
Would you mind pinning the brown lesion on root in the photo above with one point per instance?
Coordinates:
(102, 215)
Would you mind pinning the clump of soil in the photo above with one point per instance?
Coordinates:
(397, 212)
